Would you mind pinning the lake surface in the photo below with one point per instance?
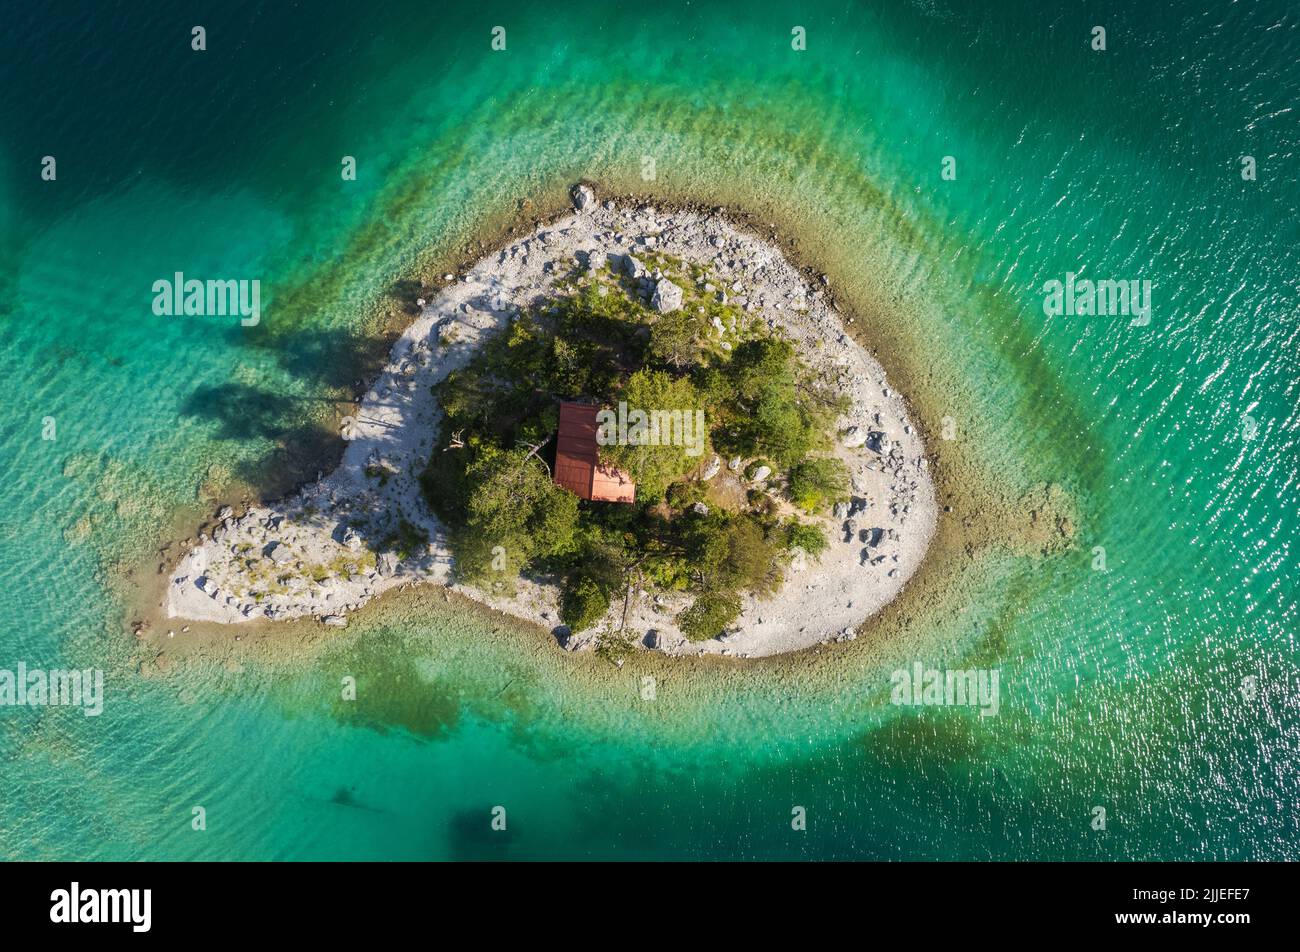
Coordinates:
(1164, 689)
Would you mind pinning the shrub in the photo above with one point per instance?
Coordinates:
(709, 615)
(686, 492)
(583, 605)
(760, 502)
(673, 339)
(805, 536)
(615, 647)
(817, 484)
(406, 541)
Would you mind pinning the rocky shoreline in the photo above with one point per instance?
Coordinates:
(364, 529)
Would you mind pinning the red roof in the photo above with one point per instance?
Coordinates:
(577, 459)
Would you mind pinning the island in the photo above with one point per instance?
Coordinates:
(635, 427)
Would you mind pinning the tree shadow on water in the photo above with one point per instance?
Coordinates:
(303, 446)
(335, 366)
(332, 358)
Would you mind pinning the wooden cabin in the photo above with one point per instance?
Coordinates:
(577, 459)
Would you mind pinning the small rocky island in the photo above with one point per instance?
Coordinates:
(634, 427)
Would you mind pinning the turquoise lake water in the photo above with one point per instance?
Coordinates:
(1165, 689)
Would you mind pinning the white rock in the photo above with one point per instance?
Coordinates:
(583, 197)
(667, 297)
(854, 436)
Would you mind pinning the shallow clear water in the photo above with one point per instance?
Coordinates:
(1122, 689)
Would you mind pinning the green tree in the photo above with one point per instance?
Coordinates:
(673, 339)
(515, 514)
(732, 552)
(583, 604)
(774, 412)
(653, 467)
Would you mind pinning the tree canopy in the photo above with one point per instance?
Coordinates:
(597, 340)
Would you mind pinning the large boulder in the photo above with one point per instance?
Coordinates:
(583, 197)
(854, 436)
(667, 297)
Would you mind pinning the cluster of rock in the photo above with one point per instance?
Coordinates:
(283, 564)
